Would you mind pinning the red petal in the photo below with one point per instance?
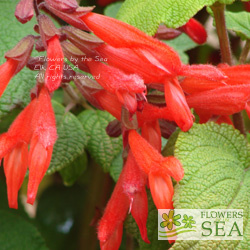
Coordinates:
(152, 133)
(113, 79)
(145, 155)
(54, 70)
(114, 241)
(122, 35)
(162, 191)
(238, 74)
(7, 71)
(20, 129)
(109, 102)
(15, 167)
(133, 179)
(44, 123)
(114, 214)
(173, 167)
(177, 105)
(193, 85)
(207, 72)
(128, 61)
(39, 160)
(221, 101)
(195, 31)
(140, 212)
(152, 113)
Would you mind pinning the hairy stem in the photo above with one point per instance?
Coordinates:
(219, 17)
(36, 8)
(239, 123)
(226, 54)
(244, 53)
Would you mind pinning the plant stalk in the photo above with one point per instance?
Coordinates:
(226, 53)
(220, 22)
(244, 53)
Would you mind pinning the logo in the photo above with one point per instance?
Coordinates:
(200, 224)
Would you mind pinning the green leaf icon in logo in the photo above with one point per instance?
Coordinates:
(188, 221)
(170, 220)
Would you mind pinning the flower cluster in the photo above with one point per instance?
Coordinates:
(140, 80)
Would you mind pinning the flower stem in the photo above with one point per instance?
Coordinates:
(244, 53)
(226, 54)
(239, 123)
(219, 17)
(36, 8)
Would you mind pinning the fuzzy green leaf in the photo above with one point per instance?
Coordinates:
(239, 23)
(216, 162)
(17, 94)
(116, 167)
(147, 14)
(181, 44)
(112, 9)
(70, 142)
(16, 233)
(101, 147)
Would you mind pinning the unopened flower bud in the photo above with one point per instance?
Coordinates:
(68, 6)
(24, 11)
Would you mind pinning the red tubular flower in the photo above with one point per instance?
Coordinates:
(235, 75)
(128, 61)
(194, 85)
(24, 11)
(221, 101)
(14, 149)
(152, 133)
(122, 35)
(207, 72)
(111, 224)
(151, 113)
(15, 167)
(42, 141)
(176, 102)
(195, 31)
(7, 71)
(115, 81)
(139, 212)
(134, 181)
(158, 168)
(109, 102)
(54, 70)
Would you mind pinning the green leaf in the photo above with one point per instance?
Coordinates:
(71, 139)
(74, 170)
(102, 148)
(146, 15)
(216, 164)
(116, 167)
(17, 94)
(112, 9)
(16, 233)
(170, 146)
(181, 44)
(239, 23)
